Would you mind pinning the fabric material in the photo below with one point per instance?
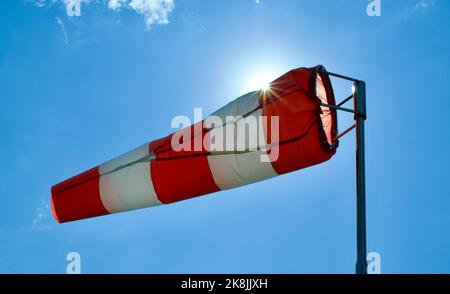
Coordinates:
(126, 182)
(197, 160)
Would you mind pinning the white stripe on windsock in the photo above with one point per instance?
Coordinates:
(233, 170)
(239, 107)
(126, 182)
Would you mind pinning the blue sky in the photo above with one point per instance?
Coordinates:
(77, 91)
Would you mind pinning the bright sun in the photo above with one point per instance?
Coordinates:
(260, 80)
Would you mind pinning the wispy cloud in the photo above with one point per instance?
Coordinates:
(41, 216)
(116, 4)
(39, 3)
(424, 4)
(154, 11)
(63, 29)
(416, 8)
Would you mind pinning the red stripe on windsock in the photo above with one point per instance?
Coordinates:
(301, 143)
(78, 197)
(180, 175)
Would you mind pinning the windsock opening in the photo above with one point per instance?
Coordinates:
(324, 91)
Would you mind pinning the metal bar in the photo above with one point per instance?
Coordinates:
(345, 100)
(339, 108)
(339, 76)
(360, 116)
(345, 132)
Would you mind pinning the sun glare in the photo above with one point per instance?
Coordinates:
(260, 80)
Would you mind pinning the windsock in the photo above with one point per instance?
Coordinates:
(197, 161)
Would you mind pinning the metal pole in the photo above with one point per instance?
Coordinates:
(360, 116)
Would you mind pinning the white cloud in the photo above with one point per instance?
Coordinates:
(40, 3)
(422, 4)
(258, 1)
(154, 11)
(425, 4)
(116, 4)
(418, 7)
(41, 216)
(63, 29)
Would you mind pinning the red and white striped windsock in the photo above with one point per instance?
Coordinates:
(177, 168)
